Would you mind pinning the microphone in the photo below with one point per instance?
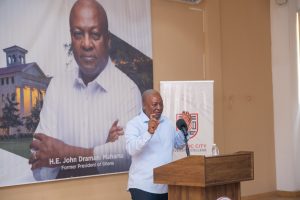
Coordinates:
(181, 125)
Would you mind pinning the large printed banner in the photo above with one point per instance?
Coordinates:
(195, 97)
(69, 82)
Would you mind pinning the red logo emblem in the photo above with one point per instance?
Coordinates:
(193, 128)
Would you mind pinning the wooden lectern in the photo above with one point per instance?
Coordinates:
(206, 178)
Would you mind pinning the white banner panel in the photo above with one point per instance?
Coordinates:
(195, 97)
(40, 86)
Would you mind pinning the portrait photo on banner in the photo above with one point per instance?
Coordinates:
(71, 76)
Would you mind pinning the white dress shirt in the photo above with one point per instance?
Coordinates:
(82, 115)
(150, 151)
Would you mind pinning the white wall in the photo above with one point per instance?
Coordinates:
(285, 93)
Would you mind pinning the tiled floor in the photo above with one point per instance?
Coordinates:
(278, 198)
(274, 198)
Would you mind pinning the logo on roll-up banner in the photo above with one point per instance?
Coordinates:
(193, 128)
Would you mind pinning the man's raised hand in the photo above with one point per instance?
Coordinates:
(152, 124)
(186, 116)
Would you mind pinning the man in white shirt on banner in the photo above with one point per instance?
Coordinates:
(80, 129)
(150, 140)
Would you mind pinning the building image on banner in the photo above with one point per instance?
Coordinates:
(195, 97)
(23, 86)
(65, 99)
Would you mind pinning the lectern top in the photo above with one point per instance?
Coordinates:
(206, 171)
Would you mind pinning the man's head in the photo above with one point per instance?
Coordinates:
(90, 38)
(152, 103)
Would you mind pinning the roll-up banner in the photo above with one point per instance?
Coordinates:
(196, 97)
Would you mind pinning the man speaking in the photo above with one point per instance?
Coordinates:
(150, 140)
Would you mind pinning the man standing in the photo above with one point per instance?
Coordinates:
(150, 140)
(85, 107)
